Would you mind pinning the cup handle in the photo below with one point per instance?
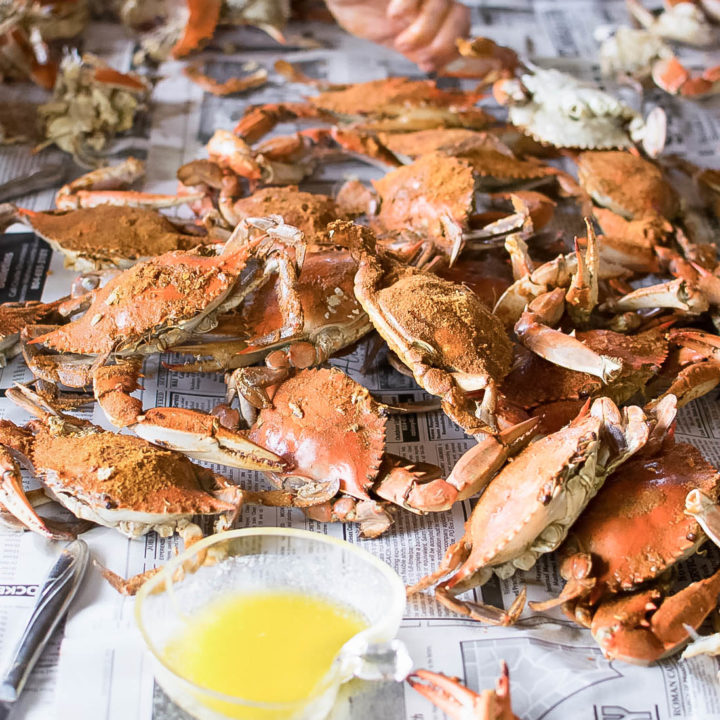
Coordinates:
(380, 661)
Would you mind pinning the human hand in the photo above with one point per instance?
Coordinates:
(423, 30)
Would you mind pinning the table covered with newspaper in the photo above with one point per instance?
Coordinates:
(96, 667)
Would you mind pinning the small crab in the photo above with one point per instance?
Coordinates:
(332, 320)
(560, 110)
(439, 329)
(106, 236)
(529, 506)
(459, 702)
(114, 480)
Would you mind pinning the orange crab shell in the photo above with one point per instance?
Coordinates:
(627, 184)
(420, 195)
(325, 287)
(155, 294)
(200, 26)
(309, 212)
(636, 526)
(379, 97)
(327, 427)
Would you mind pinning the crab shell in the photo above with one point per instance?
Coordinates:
(391, 96)
(328, 427)
(528, 507)
(535, 381)
(121, 481)
(433, 196)
(627, 184)
(164, 298)
(16, 316)
(557, 109)
(330, 310)
(107, 236)
(636, 527)
(309, 212)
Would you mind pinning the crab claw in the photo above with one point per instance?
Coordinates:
(459, 702)
(706, 512)
(201, 436)
(16, 502)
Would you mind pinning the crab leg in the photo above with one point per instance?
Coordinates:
(474, 470)
(113, 177)
(459, 702)
(129, 198)
(534, 332)
(13, 497)
(374, 518)
(582, 296)
(479, 611)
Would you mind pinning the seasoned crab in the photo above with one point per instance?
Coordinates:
(91, 103)
(459, 702)
(332, 433)
(106, 236)
(308, 212)
(528, 508)
(115, 480)
(560, 110)
(439, 329)
(627, 184)
(159, 303)
(393, 104)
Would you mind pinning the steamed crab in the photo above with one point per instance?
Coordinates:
(529, 506)
(687, 22)
(154, 305)
(114, 480)
(441, 330)
(560, 110)
(332, 434)
(629, 536)
(393, 104)
(332, 319)
(106, 236)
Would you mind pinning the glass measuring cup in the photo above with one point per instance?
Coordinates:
(275, 559)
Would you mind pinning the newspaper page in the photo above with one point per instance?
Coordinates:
(96, 666)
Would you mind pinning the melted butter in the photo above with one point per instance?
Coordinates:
(270, 647)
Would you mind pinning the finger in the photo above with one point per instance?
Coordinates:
(423, 29)
(402, 8)
(443, 49)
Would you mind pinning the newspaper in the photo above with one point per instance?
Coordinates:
(96, 666)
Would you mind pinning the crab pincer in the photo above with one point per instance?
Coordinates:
(461, 703)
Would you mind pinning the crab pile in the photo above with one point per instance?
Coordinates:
(564, 355)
